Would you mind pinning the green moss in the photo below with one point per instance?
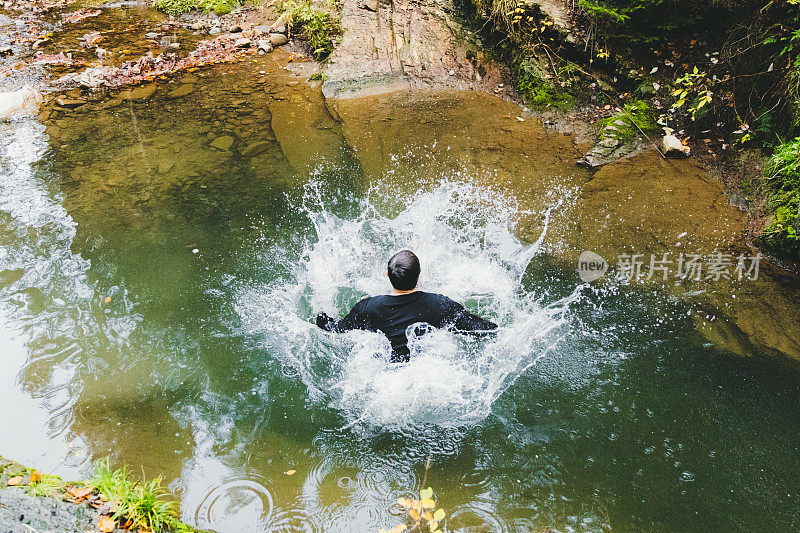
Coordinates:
(635, 117)
(782, 181)
(316, 26)
(536, 91)
(176, 7)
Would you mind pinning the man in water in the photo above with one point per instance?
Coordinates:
(392, 314)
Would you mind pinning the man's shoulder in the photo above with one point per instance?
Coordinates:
(439, 299)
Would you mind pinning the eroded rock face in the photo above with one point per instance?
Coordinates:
(393, 45)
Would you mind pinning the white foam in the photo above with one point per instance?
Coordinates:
(468, 252)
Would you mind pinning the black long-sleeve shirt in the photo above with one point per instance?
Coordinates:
(392, 314)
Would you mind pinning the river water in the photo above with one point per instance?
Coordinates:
(157, 295)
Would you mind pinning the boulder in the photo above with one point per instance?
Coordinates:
(264, 45)
(262, 29)
(214, 31)
(278, 27)
(6, 50)
(244, 42)
(672, 147)
(278, 39)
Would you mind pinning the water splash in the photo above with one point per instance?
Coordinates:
(463, 235)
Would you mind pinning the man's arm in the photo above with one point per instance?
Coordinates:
(355, 319)
(466, 323)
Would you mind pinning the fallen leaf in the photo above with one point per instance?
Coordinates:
(290, 472)
(439, 515)
(404, 502)
(36, 477)
(106, 524)
(79, 492)
(108, 299)
(426, 493)
(428, 503)
(14, 481)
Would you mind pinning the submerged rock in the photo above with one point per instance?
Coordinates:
(224, 143)
(183, 90)
(256, 148)
(142, 92)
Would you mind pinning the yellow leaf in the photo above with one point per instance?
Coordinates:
(290, 472)
(36, 477)
(404, 502)
(399, 527)
(439, 515)
(428, 516)
(433, 525)
(14, 481)
(108, 299)
(428, 503)
(106, 524)
(414, 514)
(382, 531)
(427, 493)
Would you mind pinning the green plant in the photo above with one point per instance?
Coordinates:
(782, 179)
(45, 484)
(315, 25)
(694, 86)
(176, 7)
(422, 514)
(636, 117)
(536, 90)
(138, 504)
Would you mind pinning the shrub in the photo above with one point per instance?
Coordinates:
(315, 25)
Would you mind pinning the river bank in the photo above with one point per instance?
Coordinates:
(31, 501)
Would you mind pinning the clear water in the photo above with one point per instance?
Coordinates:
(156, 298)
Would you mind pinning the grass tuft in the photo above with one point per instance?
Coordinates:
(140, 504)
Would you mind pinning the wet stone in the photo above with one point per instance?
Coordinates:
(70, 103)
(278, 39)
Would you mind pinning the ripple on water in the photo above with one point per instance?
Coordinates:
(239, 503)
(477, 516)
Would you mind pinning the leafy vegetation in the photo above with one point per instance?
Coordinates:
(176, 7)
(537, 91)
(421, 515)
(315, 25)
(782, 177)
(636, 117)
(139, 504)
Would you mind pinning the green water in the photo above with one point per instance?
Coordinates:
(135, 259)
